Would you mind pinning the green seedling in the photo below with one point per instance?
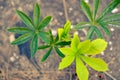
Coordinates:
(62, 39)
(34, 29)
(103, 21)
(80, 52)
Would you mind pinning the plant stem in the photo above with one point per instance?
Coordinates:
(65, 10)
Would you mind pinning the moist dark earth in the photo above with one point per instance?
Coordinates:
(15, 65)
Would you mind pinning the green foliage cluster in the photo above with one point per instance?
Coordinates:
(68, 48)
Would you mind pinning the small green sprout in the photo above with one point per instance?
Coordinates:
(80, 52)
(33, 31)
(96, 23)
(62, 39)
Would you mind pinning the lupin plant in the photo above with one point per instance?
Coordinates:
(70, 48)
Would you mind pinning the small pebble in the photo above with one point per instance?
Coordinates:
(111, 48)
(72, 26)
(76, 32)
(14, 54)
(112, 29)
(110, 43)
(102, 53)
(54, 32)
(115, 10)
(60, 13)
(87, 1)
(70, 10)
(11, 38)
(12, 59)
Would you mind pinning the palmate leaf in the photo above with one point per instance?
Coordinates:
(95, 7)
(25, 19)
(95, 63)
(44, 22)
(34, 45)
(81, 70)
(47, 54)
(98, 33)
(66, 61)
(109, 8)
(90, 33)
(36, 15)
(22, 39)
(97, 46)
(19, 30)
(59, 52)
(86, 9)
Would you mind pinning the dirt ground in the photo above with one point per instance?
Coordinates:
(14, 65)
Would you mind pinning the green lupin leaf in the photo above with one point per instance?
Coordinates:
(44, 22)
(36, 15)
(81, 70)
(22, 39)
(109, 8)
(86, 9)
(98, 33)
(34, 45)
(44, 37)
(96, 63)
(25, 19)
(114, 24)
(51, 37)
(67, 51)
(19, 30)
(63, 43)
(82, 25)
(44, 47)
(90, 33)
(63, 33)
(46, 55)
(112, 18)
(95, 8)
(66, 61)
(59, 52)
(84, 46)
(75, 41)
(104, 27)
(67, 28)
(60, 33)
(97, 46)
